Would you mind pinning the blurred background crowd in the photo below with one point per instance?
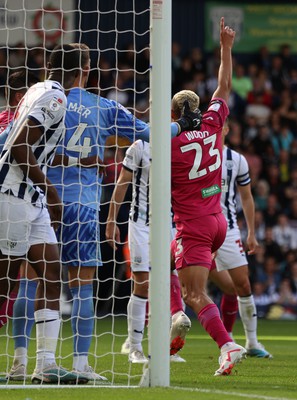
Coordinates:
(263, 127)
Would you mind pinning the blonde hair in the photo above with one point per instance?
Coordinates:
(179, 98)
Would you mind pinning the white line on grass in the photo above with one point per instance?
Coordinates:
(251, 396)
(211, 391)
(240, 337)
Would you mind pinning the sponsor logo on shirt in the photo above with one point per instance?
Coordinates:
(224, 186)
(210, 191)
(47, 112)
(11, 244)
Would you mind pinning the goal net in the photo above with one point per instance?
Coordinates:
(118, 35)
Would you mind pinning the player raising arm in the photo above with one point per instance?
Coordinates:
(196, 192)
(90, 120)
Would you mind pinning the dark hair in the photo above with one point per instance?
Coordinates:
(84, 53)
(19, 81)
(66, 58)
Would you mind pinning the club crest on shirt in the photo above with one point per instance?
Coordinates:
(55, 104)
(229, 164)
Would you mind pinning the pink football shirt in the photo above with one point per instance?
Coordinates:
(5, 118)
(196, 166)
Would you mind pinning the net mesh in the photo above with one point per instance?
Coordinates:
(117, 33)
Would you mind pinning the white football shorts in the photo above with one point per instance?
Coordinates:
(23, 225)
(231, 254)
(138, 240)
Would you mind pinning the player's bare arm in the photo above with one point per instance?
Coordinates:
(227, 36)
(248, 207)
(112, 232)
(24, 156)
(86, 162)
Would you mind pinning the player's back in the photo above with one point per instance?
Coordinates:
(45, 104)
(82, 139)
(197, 166)
(235, 171)
(138, 160)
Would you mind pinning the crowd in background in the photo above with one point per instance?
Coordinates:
(263, 127)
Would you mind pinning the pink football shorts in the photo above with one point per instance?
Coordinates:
(197, 239)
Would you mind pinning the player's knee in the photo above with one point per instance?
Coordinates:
(244, 288)
(141, 289)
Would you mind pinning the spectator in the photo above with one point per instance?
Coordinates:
(261, 192)
(259, 225)
(271, 246)
(272, 210)
(241, 83)
(263, 300)
(284, 235)
(287, 299)
(270, 275)
(278, 75)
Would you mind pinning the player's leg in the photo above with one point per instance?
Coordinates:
(138, 240)
(229, 304)
(197, 241)
(180, 322)
(9, 268)
(23, 321)
(82, 317)
(136, 312)
(6, 309)
(80, 239)
(44, 258)
(12, 246)
(231, 257)
(248, 311)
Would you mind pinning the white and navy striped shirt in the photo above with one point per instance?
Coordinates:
(138, 161)
(235, 171)
(45, 103)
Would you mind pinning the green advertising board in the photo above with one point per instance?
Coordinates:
(256, 25)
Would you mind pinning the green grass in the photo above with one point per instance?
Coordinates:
(254, 378)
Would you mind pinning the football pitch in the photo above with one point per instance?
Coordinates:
(265, 379)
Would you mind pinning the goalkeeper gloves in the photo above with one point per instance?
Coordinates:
(189, 120)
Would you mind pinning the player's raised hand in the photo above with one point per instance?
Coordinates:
(227, 34)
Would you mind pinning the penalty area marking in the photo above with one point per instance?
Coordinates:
(236, 394)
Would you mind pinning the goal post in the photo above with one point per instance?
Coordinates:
(160, 95)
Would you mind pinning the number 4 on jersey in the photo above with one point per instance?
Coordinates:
(73, 144)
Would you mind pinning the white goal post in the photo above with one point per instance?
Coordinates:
(160, 192)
